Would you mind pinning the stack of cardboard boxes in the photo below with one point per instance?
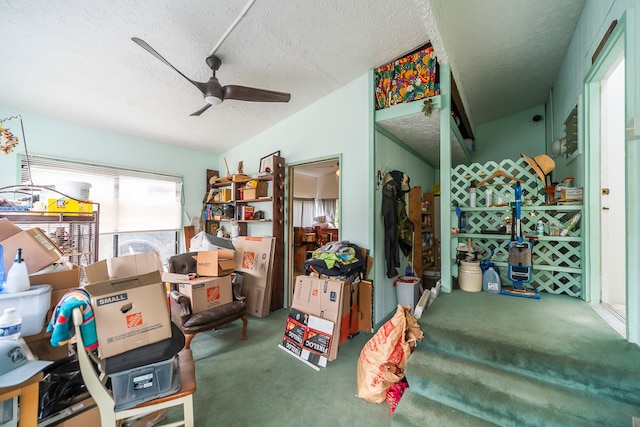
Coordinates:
(325, 313)
(212, 287)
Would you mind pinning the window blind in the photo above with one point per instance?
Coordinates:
(130, 200)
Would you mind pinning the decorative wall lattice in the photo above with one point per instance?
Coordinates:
(557, 260)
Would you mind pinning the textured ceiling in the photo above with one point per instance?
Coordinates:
(75, 60)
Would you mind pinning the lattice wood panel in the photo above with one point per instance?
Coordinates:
(557, 260)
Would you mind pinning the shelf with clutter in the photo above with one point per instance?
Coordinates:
(554, 228)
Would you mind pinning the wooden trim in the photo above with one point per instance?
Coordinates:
(457, 100)
(604, 40)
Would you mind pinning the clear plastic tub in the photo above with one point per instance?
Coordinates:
(138, 385)
(31, 305)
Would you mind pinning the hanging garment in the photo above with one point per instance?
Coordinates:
(390, 216)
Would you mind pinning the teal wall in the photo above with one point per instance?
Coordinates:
(506, 138)
(568, 92)
(389, 155)
(66, 140)
(568, 85)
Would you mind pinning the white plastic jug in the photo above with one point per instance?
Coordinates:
(18, 276)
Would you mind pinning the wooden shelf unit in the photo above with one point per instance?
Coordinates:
(273, 208)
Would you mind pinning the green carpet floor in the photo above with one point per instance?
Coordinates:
(486, 360)
(490, 359)
(255, 383)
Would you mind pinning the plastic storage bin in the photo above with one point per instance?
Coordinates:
(138, 385)
(408, 291)
(31, 305)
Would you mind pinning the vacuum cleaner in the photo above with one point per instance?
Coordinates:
(520, 262)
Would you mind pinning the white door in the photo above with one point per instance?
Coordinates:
(612, 202)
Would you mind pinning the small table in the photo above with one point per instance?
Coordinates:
(28, 391)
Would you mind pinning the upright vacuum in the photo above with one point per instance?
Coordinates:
(520, 262)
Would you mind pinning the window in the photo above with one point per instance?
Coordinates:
(139, 211)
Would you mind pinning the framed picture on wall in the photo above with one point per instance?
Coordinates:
(266, 163)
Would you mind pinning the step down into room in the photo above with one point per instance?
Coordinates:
(490, 359)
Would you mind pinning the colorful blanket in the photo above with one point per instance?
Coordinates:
(61, 324)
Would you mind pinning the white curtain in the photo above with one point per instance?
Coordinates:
(326, 208)
(303, 212)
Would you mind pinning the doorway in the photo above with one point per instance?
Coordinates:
(313, 214)
(612, 182)
(607, 174)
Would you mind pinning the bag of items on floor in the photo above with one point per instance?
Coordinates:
(384, 357)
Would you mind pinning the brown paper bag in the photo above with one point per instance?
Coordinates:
(389, 347)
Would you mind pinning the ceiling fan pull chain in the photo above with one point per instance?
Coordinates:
(224, 36)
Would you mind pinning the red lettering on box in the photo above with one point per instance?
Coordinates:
(134, 319)
(314, 293)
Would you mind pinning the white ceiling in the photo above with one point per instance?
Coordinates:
(75, 60)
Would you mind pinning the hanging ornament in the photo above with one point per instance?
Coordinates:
(7, 140)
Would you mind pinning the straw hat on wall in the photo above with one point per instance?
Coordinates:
(542, 164)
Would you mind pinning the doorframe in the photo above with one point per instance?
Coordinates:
(619, 41)
(289, 238)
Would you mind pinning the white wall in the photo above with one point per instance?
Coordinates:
(305, 186)
(327, 186)
(311, 187)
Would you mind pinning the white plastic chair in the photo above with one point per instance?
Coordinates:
(106, 405)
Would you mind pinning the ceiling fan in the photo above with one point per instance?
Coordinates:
(214, 93)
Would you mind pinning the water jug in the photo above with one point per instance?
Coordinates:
(10, 324)
(491, 281)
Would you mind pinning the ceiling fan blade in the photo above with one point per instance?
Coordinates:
(243, 93)
(201, 86)
(200, 111)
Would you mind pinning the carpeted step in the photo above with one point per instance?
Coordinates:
(415, 410)
(559, 339)
(506, 398)
(620, 382)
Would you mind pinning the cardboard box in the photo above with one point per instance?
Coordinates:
(40, 346)
(321, 298)
(207, 292)
(129, 312)
(254, 258)
(61, 282)
(38, 250)
(365, 305)
(308, 337)
(215, 263)
(79, 414)
(123, 266)
(262, 190)
(350, 318)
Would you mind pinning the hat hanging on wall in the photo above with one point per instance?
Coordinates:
(542, 164)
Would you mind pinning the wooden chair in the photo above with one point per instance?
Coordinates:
(207, 320)
(106, 404)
